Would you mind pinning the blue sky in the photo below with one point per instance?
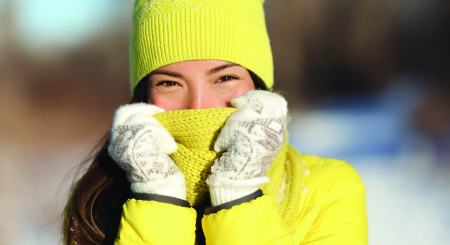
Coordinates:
(41, 23)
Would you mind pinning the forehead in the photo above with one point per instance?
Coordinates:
(197, 64)
(196, 67)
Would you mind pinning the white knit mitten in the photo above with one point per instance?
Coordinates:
(141, 146)
(250, 140)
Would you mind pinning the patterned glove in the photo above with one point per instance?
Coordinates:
(141, 146)
(250, 140)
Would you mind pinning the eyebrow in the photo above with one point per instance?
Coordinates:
(163, 72)
(210, 72)
(219, 68)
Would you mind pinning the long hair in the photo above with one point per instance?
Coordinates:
(93, 210)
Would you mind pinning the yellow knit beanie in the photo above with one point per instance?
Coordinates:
(170, 31)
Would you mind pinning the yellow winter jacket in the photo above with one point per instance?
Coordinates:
(309, 200)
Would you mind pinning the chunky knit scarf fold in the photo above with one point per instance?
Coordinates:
(195, 132)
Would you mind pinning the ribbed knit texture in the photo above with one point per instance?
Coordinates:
(196, 131)
(170, 31)
(286, 180)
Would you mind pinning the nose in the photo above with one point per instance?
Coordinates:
(203, 98)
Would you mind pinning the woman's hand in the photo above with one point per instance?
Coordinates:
(141, 146)
(250, 140)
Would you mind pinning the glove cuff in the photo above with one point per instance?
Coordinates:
(173, 186)
(223, 190)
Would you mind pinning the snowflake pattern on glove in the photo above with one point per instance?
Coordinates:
(141, 146)
(252, 136)
(135, 152)
(255, 145)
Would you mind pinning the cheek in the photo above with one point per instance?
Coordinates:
(241, 90)
(166, 102)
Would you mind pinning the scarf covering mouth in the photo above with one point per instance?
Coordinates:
(195, 132)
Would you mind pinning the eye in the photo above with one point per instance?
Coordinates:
(226, 78)
(167, 83)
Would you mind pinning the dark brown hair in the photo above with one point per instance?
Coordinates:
(92, 213)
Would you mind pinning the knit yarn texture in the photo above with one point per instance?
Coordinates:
(196, 131)
(170, 31)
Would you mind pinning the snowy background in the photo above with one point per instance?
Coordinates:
(407, 183)
(363, 79)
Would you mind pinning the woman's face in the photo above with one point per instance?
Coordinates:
(198, 84)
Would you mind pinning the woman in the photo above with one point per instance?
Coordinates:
(221, 172)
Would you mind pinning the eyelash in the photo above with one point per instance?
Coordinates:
(222, 78)
(166, 83)
(173, 83)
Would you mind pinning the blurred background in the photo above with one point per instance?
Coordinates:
(366, 81)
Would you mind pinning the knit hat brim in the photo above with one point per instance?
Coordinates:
(200, 32)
